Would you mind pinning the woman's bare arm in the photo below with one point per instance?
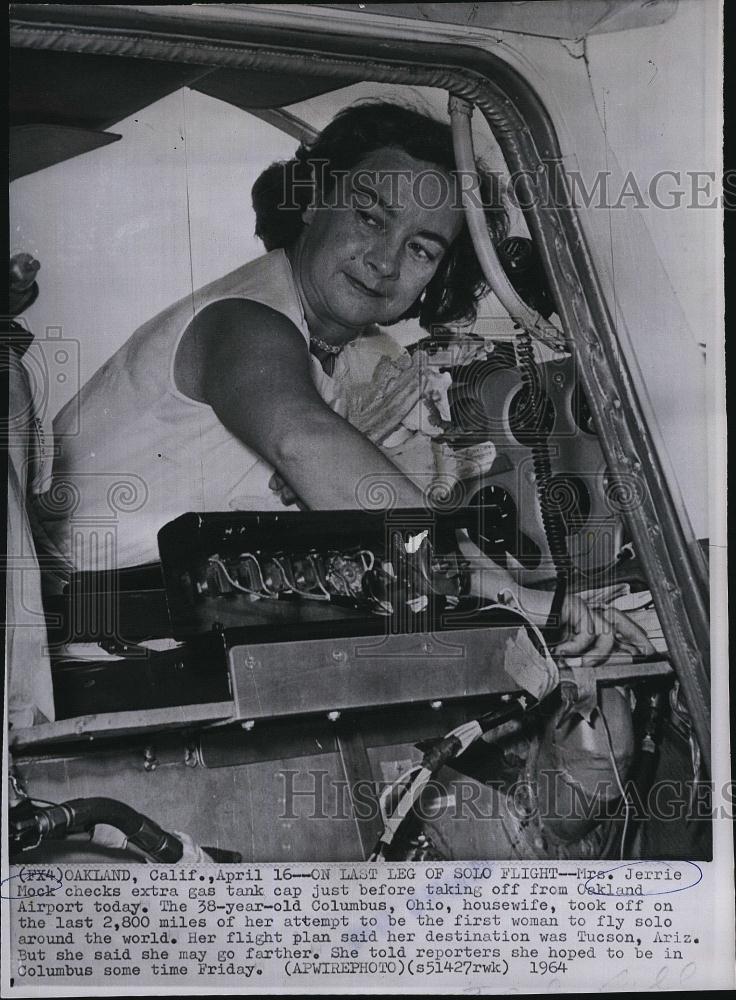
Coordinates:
(255, 375)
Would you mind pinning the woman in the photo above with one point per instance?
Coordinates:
(232, 398)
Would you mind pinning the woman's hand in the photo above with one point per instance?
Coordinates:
(595, 632)
(285, 493)
(592, 631)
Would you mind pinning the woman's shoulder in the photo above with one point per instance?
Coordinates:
(224, 336)
(267, 281)
(241, 316)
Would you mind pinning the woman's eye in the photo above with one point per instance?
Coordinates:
(421, 252)
(368, 219)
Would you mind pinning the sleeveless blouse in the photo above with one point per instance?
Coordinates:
(133, 452)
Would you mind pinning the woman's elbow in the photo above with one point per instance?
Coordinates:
(301, 444)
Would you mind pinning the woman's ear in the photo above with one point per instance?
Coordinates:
(308, 215)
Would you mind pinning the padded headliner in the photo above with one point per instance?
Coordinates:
(252, 89)
(87, 91)
(61, 102)
(90, 91)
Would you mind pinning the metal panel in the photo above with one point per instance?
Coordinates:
(565, 19)
(569, 19)
(336, 675)
(89, 727)
(277, 810)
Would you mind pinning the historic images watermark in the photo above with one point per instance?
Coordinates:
(365, 189)
(315, 794)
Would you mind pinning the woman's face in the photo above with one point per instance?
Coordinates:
(367, 255)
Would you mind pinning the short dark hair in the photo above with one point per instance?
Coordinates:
(285, 189)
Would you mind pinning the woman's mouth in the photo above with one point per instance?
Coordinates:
(363, 289)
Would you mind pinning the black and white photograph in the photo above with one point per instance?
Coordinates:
(366, 543)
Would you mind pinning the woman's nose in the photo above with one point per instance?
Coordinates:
(382, 257)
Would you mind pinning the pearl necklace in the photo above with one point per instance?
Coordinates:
(327, 348)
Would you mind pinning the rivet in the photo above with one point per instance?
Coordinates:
(333, 716)
(248, 725)
(436, 705)
(149, 760)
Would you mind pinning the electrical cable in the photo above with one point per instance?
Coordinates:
(216, 561)
(451, 745)
(311, 559)
(553, 522)
(460, 112)
(531, 322)
(622, 790)
(292, 585)
(367, 552)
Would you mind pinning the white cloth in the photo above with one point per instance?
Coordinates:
(146, 453)
(28, 677)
